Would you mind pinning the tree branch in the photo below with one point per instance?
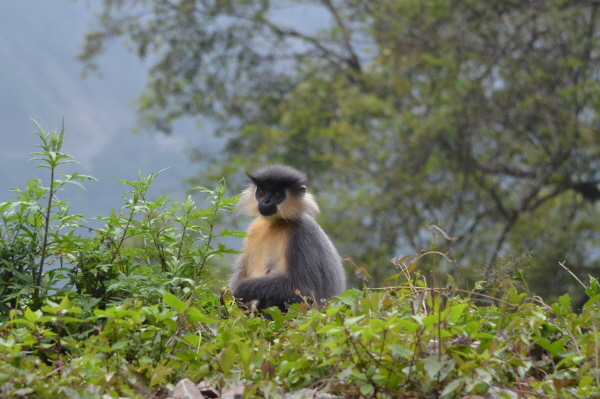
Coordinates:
(292, 32)
(352, 60)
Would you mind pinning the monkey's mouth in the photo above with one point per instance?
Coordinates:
(267, 210)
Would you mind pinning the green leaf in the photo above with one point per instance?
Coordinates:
(174, 302)
(350, 296)
(31, 315)
(452, 386)
(353, 320)
(453, 313)
(594, 288)
(565, 301)
(400, 350)
(194, 314)
(433, 365)
(226, 359)
(23, 321)
(192, 339)
(120, 344)
(367, 389)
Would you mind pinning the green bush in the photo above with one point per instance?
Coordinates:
(137, 315)
(399, 342)
(145, 248)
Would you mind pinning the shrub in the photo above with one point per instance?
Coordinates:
(137, 315)
(148, 246)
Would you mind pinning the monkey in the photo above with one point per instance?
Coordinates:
(286, 252)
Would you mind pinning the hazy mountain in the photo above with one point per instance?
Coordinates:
(40, 79)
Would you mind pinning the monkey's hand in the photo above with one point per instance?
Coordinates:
(267, 291)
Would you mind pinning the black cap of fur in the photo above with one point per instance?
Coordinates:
(279, 176)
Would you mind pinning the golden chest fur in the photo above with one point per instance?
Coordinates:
(265, 248)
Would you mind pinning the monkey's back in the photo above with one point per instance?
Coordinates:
(313, 263)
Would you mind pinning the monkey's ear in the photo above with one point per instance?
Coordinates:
(303, 189)
(252, 178)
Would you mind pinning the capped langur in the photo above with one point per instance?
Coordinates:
(286, 251)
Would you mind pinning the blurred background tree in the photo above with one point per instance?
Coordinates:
(479, 118)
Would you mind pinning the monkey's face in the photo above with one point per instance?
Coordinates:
(268, 199)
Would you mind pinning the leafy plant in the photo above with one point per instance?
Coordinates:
(402, 341)
(146, 247)
(152, 245)
(37, 229)
(142, 316)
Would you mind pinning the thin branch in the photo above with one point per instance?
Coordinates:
(496, 169)
(499, 244)
(294, 33)
(441, 290)
(562, 264)
(353, 60)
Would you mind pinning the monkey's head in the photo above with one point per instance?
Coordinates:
(278, 191)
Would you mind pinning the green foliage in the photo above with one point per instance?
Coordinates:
(479, 117)
(147, 247)
(36, 229)
(405, 341)
(152, 245)
(142, 317)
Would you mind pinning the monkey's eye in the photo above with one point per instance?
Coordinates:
(277, 194)
(261, 192)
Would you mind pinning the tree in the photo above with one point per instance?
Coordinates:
(477, 119)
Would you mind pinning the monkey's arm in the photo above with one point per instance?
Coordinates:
(271, 290)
